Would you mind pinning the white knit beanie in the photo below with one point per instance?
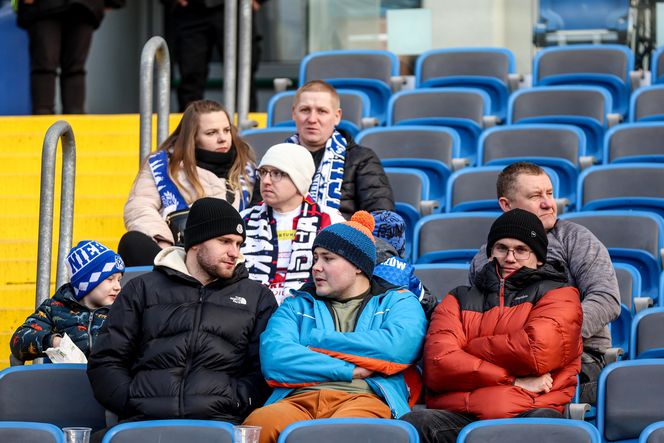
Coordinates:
(294, 160)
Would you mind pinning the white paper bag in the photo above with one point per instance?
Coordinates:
(67, 352)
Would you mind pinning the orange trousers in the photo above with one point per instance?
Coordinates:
(325, 403)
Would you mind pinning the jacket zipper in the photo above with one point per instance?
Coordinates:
(502, 295)
(90, 320)
(187, 367)
(387, 398)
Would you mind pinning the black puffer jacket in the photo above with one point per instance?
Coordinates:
(365, 185)
(173, 348)
(39, 9)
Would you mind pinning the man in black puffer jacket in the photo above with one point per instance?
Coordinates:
(348, 177)
(183, 340)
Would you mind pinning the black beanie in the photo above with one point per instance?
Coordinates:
(519, 225)
(210, 218)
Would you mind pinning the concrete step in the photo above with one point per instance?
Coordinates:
(85, 226)
(28, 205)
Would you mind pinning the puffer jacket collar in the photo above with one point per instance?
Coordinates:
(488, 280)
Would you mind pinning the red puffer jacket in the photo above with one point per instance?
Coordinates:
(481, 338)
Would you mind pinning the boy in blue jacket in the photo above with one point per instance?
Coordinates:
(342, 345)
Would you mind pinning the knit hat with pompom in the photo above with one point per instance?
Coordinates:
(352, 240)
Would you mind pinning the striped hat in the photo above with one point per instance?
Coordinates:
(90, 263)
(352, 240)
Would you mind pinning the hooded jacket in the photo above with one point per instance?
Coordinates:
(175, 348)
(482, 337)
(56, 316)
(301, 346)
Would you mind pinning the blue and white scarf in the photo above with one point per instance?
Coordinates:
(171, 198)
(325, 187)
(246, 188)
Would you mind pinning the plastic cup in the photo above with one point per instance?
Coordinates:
(77, 434)
(246, 434)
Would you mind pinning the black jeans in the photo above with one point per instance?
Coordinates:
(138, 249)
(440, 426)
(63, 41)
(591, 366)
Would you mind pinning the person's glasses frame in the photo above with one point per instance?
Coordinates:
(275, 174)
(520, 252)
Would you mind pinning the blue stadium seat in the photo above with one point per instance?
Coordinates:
(488, 69)
(558, 147)
(170, 431)
(647, 334)
(647, 104)
(134, 271)
(427, 148)
(349, 430)
(634, 143)
(30, 432)
(441, 278)
(541, 430)
(263, 139)
(463, 109)
(620, 329)
(657, 66)
(370, 71)
(629, 284)
(654, 433)
(606, 66)
(630, 397)
(587, 107)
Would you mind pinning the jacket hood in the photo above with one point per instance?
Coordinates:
(384, 250)
(171, 261)
(488, 279)
(65, 294)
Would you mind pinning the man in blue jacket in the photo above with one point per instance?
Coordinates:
(344, 345)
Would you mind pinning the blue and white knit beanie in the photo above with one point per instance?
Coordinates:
(391, 227)
(90, 263)
(351, 240)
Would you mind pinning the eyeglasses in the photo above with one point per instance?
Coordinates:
(520, 252)
(275, 174)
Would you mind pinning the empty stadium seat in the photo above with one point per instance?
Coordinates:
(59, 394)
(541, 430)
(607, 66)
(647, 104)
(633, 237)
(355, 108)
(441, 278)
(633, 186)
(30, 432)
(370, 71)
(427, 148)
(629, 284)
(630, 397)
(587, 107)
(263, 139)
(451, 238)
(647, 334)
(657, 67)
(463, 109)
(349, 430)
(635, 142)
(170, 431)
(654, 433)
(489, 69)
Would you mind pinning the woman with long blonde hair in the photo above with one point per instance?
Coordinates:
(203, 157)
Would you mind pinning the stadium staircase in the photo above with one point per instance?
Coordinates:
(106, 164)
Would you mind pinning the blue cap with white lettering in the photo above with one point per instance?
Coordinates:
(90, 263)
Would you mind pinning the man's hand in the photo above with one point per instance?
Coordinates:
(360, 372)
(183, 3)
(543, 383)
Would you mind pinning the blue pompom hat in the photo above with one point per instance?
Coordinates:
(391, 227)
(351, 240)
(90, 263)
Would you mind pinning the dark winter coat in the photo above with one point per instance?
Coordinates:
(174, 348)
(40, 9)
(56, 316)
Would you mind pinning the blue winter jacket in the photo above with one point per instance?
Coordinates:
(300, 346)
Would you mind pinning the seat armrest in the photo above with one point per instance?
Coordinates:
(586, 161)
(513, 81)
(489, 121)
(459, 163)
(577, 411)
(368, 122)
(636, 79)
(281, 84)
(641, 303)
(397, 82)
(561, 204)
(613, 119)
(613, 355)
(427, 207)
(247, 124)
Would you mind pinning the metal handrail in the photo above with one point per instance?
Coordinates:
(244, 65)
(155, 48)
(60, 130)
(230, 55)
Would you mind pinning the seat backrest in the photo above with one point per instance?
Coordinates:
(635, 140)
(30, 432)
(654, 433)
(474, 186)
(171, 431)
(657, 66)
(263, 139)
(629, 398)
(441, 278)
(464, 103)
(59, 394)
(349, 430)
(543, 140)
(621, 180)
(354, 106)
(134, 271)
(622, 229)
(629, 282)
(541, 430)
(583, 101)
(453, 62)
(408, 186)
(648, 330)
(587, 59)
(442, 232)
(369, 64)
(647, 103)
(424, 142)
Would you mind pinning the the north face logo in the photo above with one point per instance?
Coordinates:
(239, 300)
